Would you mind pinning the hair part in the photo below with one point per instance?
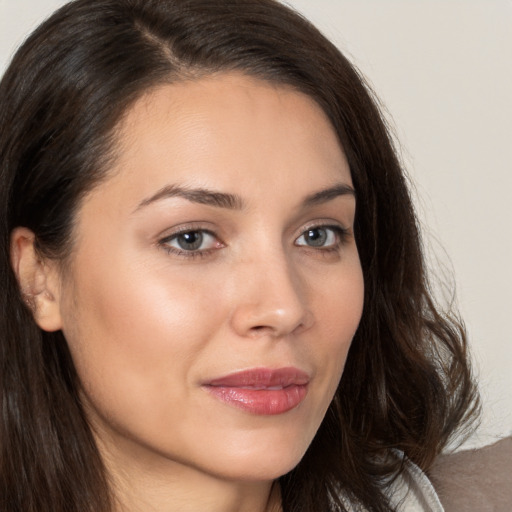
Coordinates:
(407, 384)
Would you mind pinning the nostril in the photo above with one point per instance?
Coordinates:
(257, 331)
(271, 317)
(260, 329)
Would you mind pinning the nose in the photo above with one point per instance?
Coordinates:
(271, 299)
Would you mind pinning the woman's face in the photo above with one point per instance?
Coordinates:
(215, 285)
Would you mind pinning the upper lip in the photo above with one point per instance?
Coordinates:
(262, 378)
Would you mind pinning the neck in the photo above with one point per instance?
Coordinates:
(142, 492)
(153, 483)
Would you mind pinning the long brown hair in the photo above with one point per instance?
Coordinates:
(407, 385)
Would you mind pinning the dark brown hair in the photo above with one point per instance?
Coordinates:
(407, 385)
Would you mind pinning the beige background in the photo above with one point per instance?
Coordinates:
(443, 69)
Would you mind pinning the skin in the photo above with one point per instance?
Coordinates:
(148, 322)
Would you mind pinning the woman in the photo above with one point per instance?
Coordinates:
(202, 214)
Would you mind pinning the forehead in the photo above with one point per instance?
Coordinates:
(226, 131)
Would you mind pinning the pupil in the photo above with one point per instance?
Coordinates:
(190, 241)
(316, 237)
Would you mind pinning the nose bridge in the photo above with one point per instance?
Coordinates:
(273, 298)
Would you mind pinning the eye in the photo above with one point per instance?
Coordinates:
(193, 241)
(321, 237)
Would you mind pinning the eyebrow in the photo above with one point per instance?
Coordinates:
(235, 202)
(196, 195)
(328, 194)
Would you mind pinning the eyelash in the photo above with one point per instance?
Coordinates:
(341, 234)
(164, 243)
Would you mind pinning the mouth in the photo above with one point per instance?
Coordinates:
(261, 391)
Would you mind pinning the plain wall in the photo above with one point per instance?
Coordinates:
(443, 69)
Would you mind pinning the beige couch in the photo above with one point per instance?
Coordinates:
(476, 480)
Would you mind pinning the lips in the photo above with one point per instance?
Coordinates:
(261, 391)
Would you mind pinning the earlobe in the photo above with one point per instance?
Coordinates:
(38, 280)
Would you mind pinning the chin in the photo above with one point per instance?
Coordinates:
(259, 459)
(256, 470)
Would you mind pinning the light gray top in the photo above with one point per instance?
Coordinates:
(409, 492)
(413, 492)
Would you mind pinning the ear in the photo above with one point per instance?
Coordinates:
(38, 279)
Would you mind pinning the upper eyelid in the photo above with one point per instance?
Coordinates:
(332, 227)
(323, 223)
(186, 228)
(179, 232)
(176, 234)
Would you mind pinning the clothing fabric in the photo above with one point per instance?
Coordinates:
(409, 492)
(413, 492)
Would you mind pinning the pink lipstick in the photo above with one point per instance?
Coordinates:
(261, 390)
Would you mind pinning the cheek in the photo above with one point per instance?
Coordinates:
(337, 303)
(135, 332)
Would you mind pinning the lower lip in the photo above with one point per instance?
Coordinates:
(261, 401)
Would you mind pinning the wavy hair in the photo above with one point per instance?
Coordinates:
(407, 384)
